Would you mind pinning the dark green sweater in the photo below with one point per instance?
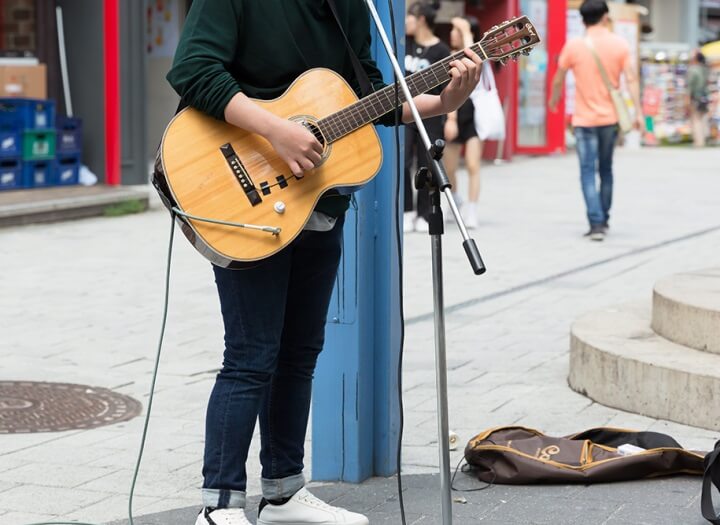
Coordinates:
(260, 47)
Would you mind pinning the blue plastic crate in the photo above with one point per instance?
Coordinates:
(11, 175)
(69, 135)
(19, 114)
(67, 170)
(10, 144)
(38, 173)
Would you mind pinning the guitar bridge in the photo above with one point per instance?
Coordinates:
(241, 174)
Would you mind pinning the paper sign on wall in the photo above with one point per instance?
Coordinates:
(163, 27)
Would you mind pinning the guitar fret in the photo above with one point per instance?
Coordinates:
(367, 112)
(381, 102)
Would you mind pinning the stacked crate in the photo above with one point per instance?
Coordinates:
(69, 150)
(10, 148)
(33, 152)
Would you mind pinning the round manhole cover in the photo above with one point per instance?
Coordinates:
(27, 407)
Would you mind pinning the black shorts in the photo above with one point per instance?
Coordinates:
(466, 122)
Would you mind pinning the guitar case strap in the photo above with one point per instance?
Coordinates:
(711, 477)
(360, 73)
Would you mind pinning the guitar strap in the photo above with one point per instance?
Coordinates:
(360, 73)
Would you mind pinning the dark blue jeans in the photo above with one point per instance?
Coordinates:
(595, 148)
(274, 316)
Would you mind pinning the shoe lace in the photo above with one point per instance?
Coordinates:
(314, 501)
(231, 516)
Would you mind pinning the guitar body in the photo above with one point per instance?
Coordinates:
(208, 170)
(195, 175)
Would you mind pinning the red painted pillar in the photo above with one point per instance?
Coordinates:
(112, 91)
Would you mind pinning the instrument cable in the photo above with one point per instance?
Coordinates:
(152, 389)
(398, 240)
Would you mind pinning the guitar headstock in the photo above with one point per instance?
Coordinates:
(509, 40)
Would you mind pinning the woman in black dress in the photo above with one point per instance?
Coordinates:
(460, 129)
(422, 50)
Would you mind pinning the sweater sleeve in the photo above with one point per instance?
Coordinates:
(362, 27)
(200, 72)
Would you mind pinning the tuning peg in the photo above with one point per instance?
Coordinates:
(526, 52)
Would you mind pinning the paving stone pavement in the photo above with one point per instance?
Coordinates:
(670, 501)
(81, 303)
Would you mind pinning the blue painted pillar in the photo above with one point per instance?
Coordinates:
(355, 414)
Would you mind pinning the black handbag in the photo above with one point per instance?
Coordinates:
(711, 476)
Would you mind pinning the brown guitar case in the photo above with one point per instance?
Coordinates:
(519, 455)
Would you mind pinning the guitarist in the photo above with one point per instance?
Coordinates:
(274, 313)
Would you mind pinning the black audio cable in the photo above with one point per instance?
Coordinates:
(398, 239)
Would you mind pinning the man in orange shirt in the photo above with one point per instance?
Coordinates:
(595, 119)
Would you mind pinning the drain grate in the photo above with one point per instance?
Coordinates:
(30, 407)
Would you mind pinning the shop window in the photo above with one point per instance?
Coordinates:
(18, 33)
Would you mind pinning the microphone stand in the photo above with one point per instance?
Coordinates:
(437, 182)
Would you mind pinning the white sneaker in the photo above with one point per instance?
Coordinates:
(305, 509)
(457, 198)
(222, 517)
(470, 215)
(421, 225)
(408, 222)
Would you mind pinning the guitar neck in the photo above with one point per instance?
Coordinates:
(382, 102)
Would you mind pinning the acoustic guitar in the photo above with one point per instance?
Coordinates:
(236, 200)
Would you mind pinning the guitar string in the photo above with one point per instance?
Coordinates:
(337, 123)
(334, 124)
(349, 119)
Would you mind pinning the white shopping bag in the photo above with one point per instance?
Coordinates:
(489, 116)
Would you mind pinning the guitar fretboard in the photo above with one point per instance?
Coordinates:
(381, 102)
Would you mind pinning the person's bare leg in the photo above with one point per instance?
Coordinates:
(698, 128)
(451, 158)
(473, 157)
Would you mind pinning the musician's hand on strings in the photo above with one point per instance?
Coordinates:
(295, 145)
(465, 75)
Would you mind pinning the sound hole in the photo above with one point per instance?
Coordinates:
(311, 124)
(315, 130)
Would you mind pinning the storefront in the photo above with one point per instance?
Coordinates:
(524, 86)
(116, 69)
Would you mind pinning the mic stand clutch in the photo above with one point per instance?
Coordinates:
(436, 181)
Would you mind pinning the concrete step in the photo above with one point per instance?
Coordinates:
(617, 360)
(686, 309)
(69, 202)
